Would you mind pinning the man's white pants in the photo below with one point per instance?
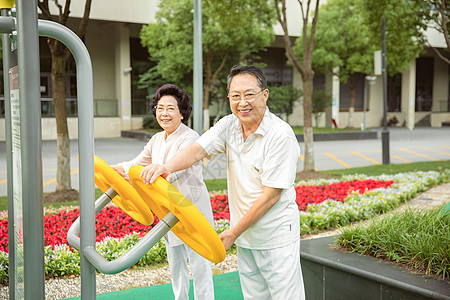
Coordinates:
(178, 257)
(271, 274)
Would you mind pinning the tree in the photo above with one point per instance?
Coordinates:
(282, 98)
(230, 34)
(343, 41)
(303, 65)
(437, 14)
(405, 30)
(321, 99)
(60, 56)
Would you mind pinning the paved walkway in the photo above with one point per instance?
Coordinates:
(433, 197)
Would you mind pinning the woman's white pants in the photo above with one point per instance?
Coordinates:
(178, 257)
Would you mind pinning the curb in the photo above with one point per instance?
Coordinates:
(326, 136)
(341, 136)
(141, 135)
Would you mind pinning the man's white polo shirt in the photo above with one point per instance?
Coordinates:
(267, 158)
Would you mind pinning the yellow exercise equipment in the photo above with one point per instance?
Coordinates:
(7, 4)
(127, 199)
(192, 227)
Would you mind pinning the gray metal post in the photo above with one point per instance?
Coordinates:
(129, 258)
(385, 132)
(85, 144)
(9, 60)
(364, 105)
(198, 68)
(31, 144)
(85, 137)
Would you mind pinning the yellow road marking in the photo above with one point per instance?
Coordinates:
(338, 160)
(398, 157)
(437, 151)
(365, 157)
(54, 179)
(418, 154)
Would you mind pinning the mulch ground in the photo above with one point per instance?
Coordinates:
(61, 196)
(305, 175)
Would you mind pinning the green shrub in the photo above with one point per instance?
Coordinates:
(150, 122)
(4, 267)
(61, 261)
(419, 239)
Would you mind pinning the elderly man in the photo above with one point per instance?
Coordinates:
(262, 154)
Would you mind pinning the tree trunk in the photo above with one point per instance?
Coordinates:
(60, 55)
(206, 88)
(59, 102)
(351, 108)
(307, 79)
(209, 79)
(305, 70)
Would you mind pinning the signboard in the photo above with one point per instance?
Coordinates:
(17, 182)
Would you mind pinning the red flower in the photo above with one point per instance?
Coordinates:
(113, 222)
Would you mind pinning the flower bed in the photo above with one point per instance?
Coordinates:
(323, 204)
(307, 195)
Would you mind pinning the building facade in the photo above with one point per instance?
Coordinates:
(417, 97)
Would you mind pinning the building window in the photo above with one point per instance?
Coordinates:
(276, 71)
(140, 64)
(46, 85)
(445, 105)
(394, 93)
(424, 83)
(344, 93)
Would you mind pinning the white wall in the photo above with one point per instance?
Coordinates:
(435, 38)
(296, 118)
(100, 42)
(103, 128)
(129, 11)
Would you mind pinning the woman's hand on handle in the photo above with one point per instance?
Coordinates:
(182, 160)
(151, 172)
(119, 169)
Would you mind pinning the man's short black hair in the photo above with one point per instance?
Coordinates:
(252, 70)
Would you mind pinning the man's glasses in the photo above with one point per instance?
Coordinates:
(249, 96)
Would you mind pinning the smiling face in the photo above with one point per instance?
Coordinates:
(168, 114)
(251, 111)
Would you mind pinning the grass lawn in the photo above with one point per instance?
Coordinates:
(376, 170)
(417, 239)
(299, 129)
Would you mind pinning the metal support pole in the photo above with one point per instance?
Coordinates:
(85, 96)
(198, 68)
(31, 137)
(9, 59)
(364, 106)
(385, 132)
(31, 144)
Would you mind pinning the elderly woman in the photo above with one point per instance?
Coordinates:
(172, 107)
